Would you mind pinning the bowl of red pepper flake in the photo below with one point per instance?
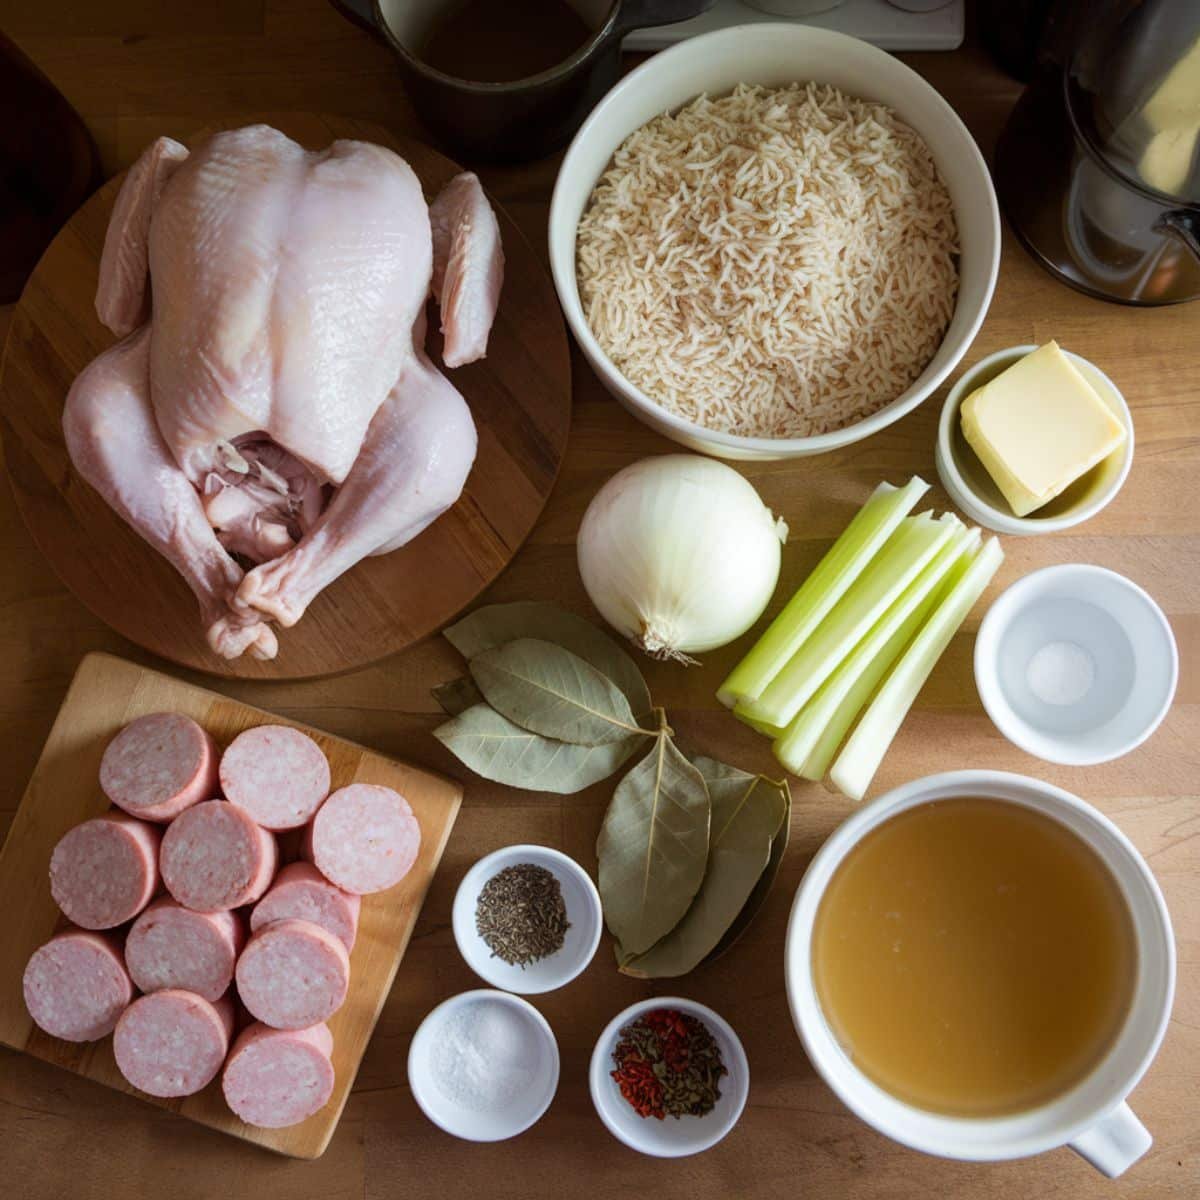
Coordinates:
(669, 1077)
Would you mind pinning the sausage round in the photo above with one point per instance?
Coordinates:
(172, 1043)
(364, 838)
(171, 946)
(159, 765)
(279, 1077)
(76, 986)
(293, 974)
(214, 857)
(277, 774)
(103, 872)
(300, 891)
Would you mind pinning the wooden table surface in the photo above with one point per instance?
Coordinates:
(135, 69)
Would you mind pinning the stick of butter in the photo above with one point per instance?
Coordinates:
(1038, 426)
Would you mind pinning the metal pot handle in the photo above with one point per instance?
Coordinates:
(1183, 224)
(642, 14)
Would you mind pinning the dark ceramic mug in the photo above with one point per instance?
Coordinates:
(528, 118)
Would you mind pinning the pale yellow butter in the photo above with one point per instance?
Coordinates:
(1038, 426)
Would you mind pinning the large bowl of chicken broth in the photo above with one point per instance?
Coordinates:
(981, 966)
(774, 56)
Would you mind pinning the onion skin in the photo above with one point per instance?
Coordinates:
(679, 554)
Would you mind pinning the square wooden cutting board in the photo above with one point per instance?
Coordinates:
(106, 694)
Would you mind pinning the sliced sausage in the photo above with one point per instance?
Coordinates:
(277, 774)
(214, 856)
(171, 946)
(76, 986)
(159, 765)
(103, 872)
(292, 974)
(364, 838)
(172, 1043)
(279, 1077)
(300, 891)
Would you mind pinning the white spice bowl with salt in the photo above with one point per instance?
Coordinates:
(583, 914)
(484, 1065)
(1076, 664)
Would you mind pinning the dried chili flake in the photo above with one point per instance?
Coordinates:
(668, 1064)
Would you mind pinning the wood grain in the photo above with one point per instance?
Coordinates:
(65, 1136)
(520, 397)
(106, 694)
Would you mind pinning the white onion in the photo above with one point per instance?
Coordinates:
(679, 554)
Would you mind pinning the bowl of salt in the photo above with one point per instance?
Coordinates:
(483, 1065)
(1076, 664)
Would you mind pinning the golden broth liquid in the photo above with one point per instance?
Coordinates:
(973, 957)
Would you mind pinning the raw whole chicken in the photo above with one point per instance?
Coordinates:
(274, 401)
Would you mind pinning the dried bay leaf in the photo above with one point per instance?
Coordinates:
(457, 695)
(747, 813)
(492, 746)
(766, 881)
(549, 690)
(653, 847)
(498, 624)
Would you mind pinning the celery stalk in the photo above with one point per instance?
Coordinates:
(771, 731)
(907, 553)
(845, 560)
(872, 656)
(864, 751)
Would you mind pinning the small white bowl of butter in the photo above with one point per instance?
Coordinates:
(974, 490)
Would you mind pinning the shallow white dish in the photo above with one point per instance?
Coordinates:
(774, 55)
(1076, 664)
(526, 1107)
(970, 486)
(671, 1137)
(584, 913)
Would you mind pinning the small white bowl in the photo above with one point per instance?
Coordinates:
(671, 1137)
(527, 1105)
(1076, 664)
(777, 54)
(584, 913)
(975, 492)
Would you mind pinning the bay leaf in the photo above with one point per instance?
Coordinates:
(653, 846)
(766, 881)
(457, 695)
(747, 812)
(492, 746)
(548, 690)
(497, 624)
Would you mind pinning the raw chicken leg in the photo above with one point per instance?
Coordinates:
(109, 427)
(279, 403)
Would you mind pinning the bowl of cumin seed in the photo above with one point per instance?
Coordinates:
(527, 919)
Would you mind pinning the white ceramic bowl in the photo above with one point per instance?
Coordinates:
(1092, 1117)
(774, 55)
(972, 488)
(671, 1137)
(494, 1125)
(1076, 664)
(584, 913)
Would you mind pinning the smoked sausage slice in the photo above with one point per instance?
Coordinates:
(279, 1077)
(300, 891)
(103, 872)
(293, 974)
(279, 775)
(214, 857)
(172, 1043)
(159, 765)
(76, 986)
(364, 838)
(171, 946)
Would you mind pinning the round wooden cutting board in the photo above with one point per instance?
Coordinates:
(520, 396)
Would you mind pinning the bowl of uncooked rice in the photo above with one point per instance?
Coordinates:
(762, 260)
